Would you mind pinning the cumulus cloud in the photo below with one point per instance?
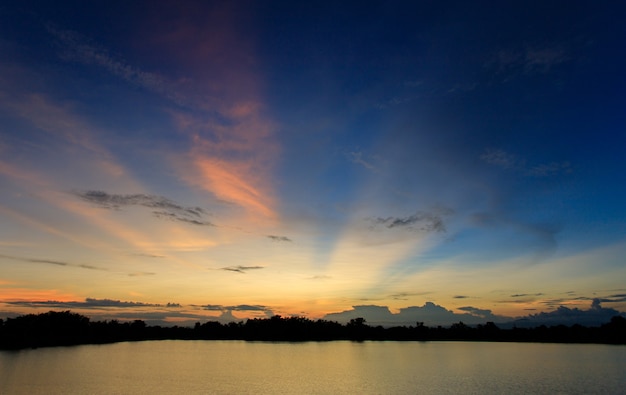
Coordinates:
(163, 207)
(430, 314)
(509, 161)
(227, 316)
(596, 315)
(241, 269)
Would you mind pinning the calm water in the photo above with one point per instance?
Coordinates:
(238, 367)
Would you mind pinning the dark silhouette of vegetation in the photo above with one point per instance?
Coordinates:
(67, 328)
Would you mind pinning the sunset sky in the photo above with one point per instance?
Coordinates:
(179, 162)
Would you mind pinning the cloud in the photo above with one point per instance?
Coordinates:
(167, 209)
(358, 158)
(241, 269)
(531, 60)
(596, 315)
(279, 238)
(78, 48)
(179, 218)
(141, 274)
(227, 311)
(487, 314)
(213, 307)
(460, 297)
(543, 59)
(421, 221)
(88, 303)
(53, 262)
(246, 307)
(430, 313)
(406, 295)
(509, 161)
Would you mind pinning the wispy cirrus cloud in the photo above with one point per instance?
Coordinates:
(75, 47)
(220, 110)
(532, 59)
(369, 162)
(509, 161)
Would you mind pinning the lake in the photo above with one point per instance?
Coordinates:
(240, 367)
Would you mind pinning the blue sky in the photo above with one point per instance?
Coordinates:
(242, 159)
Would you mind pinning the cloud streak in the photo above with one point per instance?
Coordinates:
(167, 209)
(283, 239)
(508, 161)
(241, 269)
(53, 262)
(421, 221)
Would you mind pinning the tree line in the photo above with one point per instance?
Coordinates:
(66, 328)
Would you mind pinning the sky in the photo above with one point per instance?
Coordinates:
(402, 161)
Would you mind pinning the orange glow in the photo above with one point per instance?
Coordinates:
(26, 294)
(232, 185)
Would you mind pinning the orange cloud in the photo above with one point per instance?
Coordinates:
(229, 181)
(27, 294)
(233, 144)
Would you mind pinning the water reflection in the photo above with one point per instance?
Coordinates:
(226, 367)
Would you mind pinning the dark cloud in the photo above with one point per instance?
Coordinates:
(406, 295)
(241, 269)
(522, 295)
(421, 221)
(460, 296)
(213, 307)
(279, 238)
(509, 161)
(596, 315)
(178, 217)
(164, 207)
(246, 307)
(430, 314)
(88, 303)
(53, 262)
